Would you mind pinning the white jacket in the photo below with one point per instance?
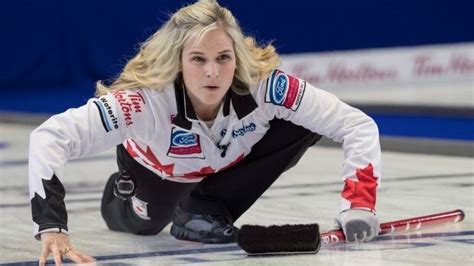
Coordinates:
(161, 131)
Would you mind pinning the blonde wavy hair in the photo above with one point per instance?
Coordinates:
(158, 60)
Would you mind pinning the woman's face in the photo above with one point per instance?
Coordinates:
(208, 70)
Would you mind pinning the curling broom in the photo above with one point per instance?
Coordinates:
(305, 238)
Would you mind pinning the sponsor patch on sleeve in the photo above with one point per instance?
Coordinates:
(284, 90)
(130, 103)
(107, 116)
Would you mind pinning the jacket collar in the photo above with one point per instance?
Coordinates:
(242, 104)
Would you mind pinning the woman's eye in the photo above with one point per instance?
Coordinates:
(223, 57)
(198, 59)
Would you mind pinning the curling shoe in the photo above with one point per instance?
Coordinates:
(204, 228)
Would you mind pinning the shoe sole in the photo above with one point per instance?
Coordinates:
(182, 233)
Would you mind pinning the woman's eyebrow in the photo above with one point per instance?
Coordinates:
(201, 53)
(225, 51)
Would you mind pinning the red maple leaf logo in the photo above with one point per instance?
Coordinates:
(201, 173)
(155, 163)
(233, 163)
(130, 150)
(362, 194)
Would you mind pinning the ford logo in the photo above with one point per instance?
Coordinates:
(281, 85)
(182, 138)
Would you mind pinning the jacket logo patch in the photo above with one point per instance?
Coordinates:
(240, 131)
(284, 90)
(185, 144)
(129, 102)
(107, 116)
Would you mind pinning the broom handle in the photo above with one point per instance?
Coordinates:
(406, 225)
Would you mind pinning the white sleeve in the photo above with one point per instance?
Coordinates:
(97, 126)
(295, 100)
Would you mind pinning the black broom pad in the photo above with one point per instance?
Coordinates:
(279, 239)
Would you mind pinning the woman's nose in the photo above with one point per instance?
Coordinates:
(212, 71)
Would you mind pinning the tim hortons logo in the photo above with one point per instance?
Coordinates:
(427, 65)
(129, 102)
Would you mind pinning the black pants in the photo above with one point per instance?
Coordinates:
(230, 192)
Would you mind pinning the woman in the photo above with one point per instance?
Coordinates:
(204, 123)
